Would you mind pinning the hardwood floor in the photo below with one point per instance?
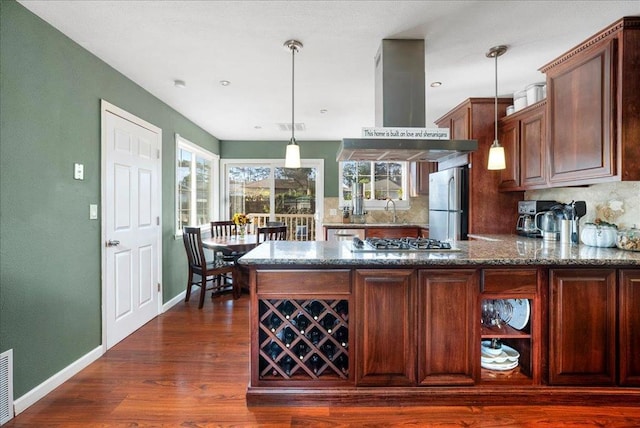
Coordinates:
(189, 368)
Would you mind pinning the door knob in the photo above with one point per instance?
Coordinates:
(113, 243)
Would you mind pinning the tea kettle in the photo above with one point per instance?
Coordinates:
(548, 225)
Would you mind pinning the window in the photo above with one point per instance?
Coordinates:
(196, 180)
(381, 180)
(267, 191)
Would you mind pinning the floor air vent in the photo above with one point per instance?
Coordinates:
(6, 386)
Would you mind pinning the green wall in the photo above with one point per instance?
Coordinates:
(50, 291)
(326, 150)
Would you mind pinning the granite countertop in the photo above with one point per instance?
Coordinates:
(481, 250)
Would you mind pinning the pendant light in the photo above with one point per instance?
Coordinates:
(496, 152)
(292, 157)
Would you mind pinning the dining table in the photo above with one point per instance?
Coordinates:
(233, 243)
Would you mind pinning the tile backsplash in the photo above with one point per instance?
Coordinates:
(418, 213)
(617, 203)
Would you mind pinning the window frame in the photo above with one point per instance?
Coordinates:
(375, 204)
(182, 143)
(318, 164)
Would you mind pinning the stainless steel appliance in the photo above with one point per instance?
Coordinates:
(400, 102)
(449, 204)
(357, 199)
(528, 224)
(408, 244)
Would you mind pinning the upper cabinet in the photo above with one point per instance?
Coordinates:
(592, 109)
(523, 136)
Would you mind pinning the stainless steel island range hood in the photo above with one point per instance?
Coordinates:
(400, 102)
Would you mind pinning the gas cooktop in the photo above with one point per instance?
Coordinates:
(374, 245)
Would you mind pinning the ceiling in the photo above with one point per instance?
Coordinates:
(202, 43)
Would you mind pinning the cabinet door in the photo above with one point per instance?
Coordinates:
(582, 129)
(460, 125)
(392, 232)
(509, 138)
(422, 171)
(629, 322)
(582, 341)
(385, 327)
(447, 335)
(532, 149)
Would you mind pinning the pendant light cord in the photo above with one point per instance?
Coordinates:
(293, 71)
(496, 103)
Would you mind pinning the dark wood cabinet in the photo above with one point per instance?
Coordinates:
(509, 137)
(385, 326)
(412, 334)
(392, 232)
(523, 136)
(474, 119)
(582, 342)
(447, 331)
(629, 327)
(420, 174)
(593, 93)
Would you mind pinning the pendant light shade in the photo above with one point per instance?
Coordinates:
(496, 152)
(496, 156)
(292, 156)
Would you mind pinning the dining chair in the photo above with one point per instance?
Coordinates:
(223, 228)
(227, 228)
(271, 233)
(207, 271)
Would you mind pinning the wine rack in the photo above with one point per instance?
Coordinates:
(303, 339)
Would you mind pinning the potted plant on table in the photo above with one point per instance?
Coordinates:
(241, 220)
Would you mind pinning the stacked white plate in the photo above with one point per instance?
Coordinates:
(503, 358)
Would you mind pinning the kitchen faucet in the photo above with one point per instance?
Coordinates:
(386, 208)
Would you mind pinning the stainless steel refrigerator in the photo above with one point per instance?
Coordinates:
(449, 204)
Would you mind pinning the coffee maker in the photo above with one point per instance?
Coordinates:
(528, 222)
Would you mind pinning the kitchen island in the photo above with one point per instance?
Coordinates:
(329, 325)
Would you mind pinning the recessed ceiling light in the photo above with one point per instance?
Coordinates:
(225, 82)
(257, 127)
(436, 84)
(179, 83)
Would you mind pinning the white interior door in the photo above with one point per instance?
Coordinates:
(131, 206)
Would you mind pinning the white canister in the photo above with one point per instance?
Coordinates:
(519, 100)
(535, 92)
(510, 110)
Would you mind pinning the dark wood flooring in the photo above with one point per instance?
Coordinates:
(190, 368)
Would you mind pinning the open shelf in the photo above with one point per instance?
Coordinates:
(502, 332)
(519, 340)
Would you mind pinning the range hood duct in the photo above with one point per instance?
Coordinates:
(400, 102)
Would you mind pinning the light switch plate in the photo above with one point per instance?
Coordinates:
(78, 171)
(93, 211)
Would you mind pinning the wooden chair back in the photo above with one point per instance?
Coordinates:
(193, 245)
(223, 228)
(271, 233)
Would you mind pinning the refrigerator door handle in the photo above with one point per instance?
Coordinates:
(450, 185)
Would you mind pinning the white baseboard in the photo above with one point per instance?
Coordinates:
(28, 399)
(171, 303)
